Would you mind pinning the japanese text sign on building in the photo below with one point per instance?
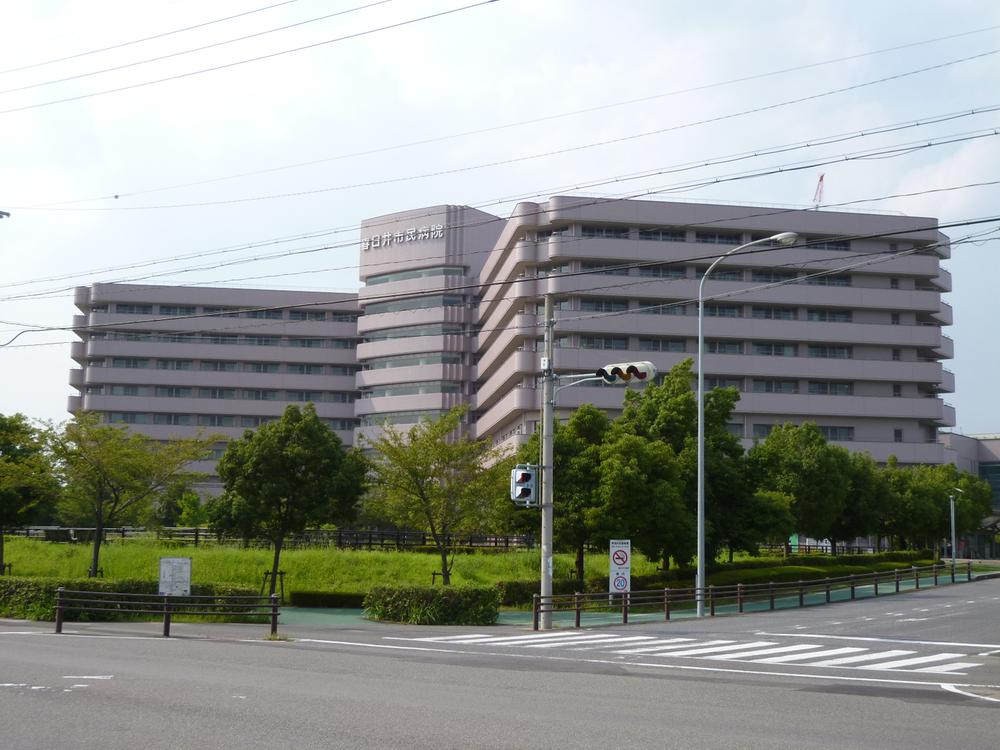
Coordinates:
(620, 565)
(401, 237)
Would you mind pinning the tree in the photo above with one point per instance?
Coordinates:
(797, 460)
(283, 476)
(111, 475)
(867, 504)
(27, 484)
(433, 479)
(576, 459)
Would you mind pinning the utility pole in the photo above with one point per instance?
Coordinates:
(548, 440)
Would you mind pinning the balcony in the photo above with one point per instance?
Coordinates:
(78, 351)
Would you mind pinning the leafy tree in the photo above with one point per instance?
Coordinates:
(576, 454)
(797, 461)
(27, 484)
(177, 505)
(867, 504)
(110, 475)
(433, 479)
(283, 476)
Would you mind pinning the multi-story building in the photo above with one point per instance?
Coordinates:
(178, 361)
(843, 329)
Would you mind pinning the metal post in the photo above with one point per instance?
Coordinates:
(166, 616)
(274, 615)
(895, 572)
(577, 605)
(827, 590)
(625, 598)
(739, 598)
(59, 609)
(875, 583)
(968, 570)
(548, 427)
(802, 595)
(770, 592)
(534, 611)
(666, 604)
(916, 577)
(934, 567)
(711, 600)
(954, 547)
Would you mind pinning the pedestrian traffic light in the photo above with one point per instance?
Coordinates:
(626, 371)
(523, 485)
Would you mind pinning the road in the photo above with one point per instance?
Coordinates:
(917, 670)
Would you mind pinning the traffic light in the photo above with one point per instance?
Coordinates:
(626, 371)
(523, 485)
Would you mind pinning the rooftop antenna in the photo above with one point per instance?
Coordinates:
(818, 195)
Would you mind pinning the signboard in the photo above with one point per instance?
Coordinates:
(413, 234)
(620, 565)
(175, 576)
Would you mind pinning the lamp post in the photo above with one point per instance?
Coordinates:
(951, 503)
(782, 238)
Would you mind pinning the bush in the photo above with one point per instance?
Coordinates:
(420, 605)
(327, 599)
(35, 598)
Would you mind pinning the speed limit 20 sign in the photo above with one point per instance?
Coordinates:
(620, 565)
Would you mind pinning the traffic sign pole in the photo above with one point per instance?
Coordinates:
(548, 428)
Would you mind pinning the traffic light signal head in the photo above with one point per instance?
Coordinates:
(622, 372)
(523, 485)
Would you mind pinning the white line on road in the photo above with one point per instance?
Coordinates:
(950, 668)
(766, 651)
(663, 645)
(877, 640)
(954, 689)
(915, 660)
(719, 649)
(874, 656)
(88, 677)
(810, 655)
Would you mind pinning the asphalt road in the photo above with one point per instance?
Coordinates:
(918, 670)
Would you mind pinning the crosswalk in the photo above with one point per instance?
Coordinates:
(722, 649)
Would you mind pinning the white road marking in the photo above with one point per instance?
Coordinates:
(718, 649)
(14, 684)
(811, 655)
(525, 639)
(915, 660)
(766, 651)
(88, 676)
(555, 644)
(678, 643)
(863, 657)
(953, 667)
(80, 685)
(447, 638)
(877, 640)
(620, 639)
(954, 689)
(914, 619)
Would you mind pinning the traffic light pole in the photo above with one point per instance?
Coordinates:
(548, 440)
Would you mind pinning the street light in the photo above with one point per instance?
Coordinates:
(782, 238)
(954, 548)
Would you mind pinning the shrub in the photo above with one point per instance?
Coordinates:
(421, 605)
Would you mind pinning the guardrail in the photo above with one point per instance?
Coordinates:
(108, 602)
(738, 598)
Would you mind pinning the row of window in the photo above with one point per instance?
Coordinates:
(672, 271)
(221, 365)
(415, 303)
(221, 339)
(757, 348)
(246, 394)
(405, 332)
(414, 360)
(418, 273)
(229, 312)
(209, 420)
(414, 389)
(830, 432)
(675, 234)
(400, 417)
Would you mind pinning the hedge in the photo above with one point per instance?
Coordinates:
(424, 605)
(35, 598)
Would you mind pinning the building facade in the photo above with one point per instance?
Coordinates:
(844, 329)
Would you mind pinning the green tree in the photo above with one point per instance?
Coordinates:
(433, 479)
(797, 460)
(576, 459)
(177, 505)
(283, 476)
(27, 484)
(868, 499)
(111, 475)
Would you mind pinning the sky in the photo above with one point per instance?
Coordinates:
(241, 142)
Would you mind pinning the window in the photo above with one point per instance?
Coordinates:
(775, 386)
(603, 305)
(412, 389)
(837, 432)
(163, 391)
(829, 316)
(130, 364)
(735, 429)
(723, 311)
(762, 430)
(440, 329)
(826, 244)
(823, 351)
(604, 342)
(262, 340)
(663, 235)
(223, 393)
(718, 238)
(724, 347)
(893, 283)
(897, 354)
(255, 421)
(894, 319)
(661, 345)
(173, 419)
(314, 396)
(173, 364)
(608, 233)
(176, 310)
(771, 276)
(830, 388)
(897, 390)
(129, 390)
(214, 365)
(340, 424)
(260, 367)
(349, 397)
(420, 273)
(307, 314)
(95, 390)
(897, 436)
(304, 369)
(775, 349)
(124, 309)
(222, 312)
(128, 417)
(413, 360)
(220, 339)
(603, 267)
(714, 381)
(343, 317)
(774, 313)
(344, 343)
(663, 271)
(659, 307)
(265, 314)
(830, 280)
(415, 303)
(336, 370)
(723, 274)
(95, 363)
(216, 420)
(256, 394)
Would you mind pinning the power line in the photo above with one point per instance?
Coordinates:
(520, 123)
(204, 47)
(157, 36)
(268, 56)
